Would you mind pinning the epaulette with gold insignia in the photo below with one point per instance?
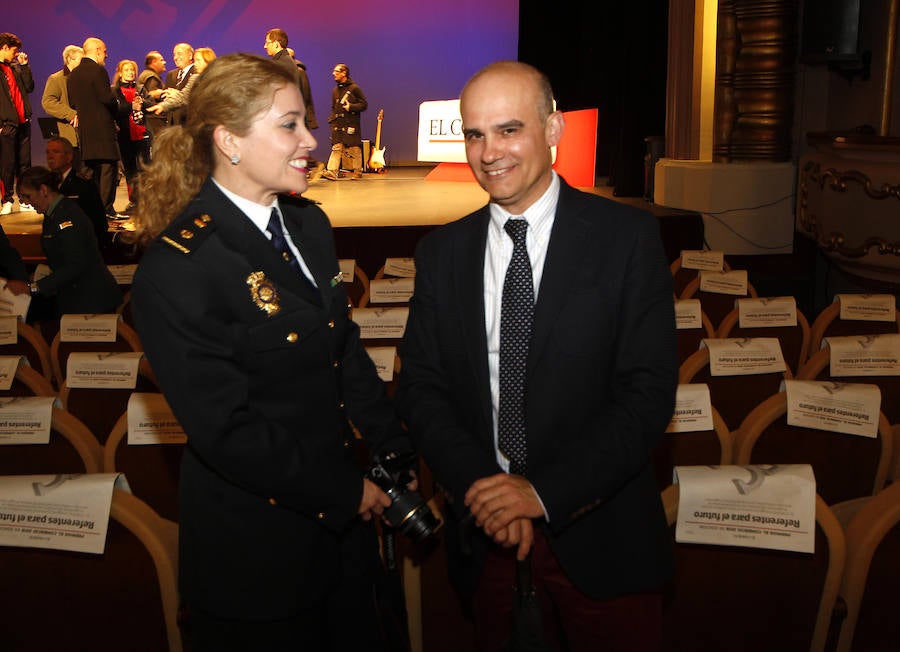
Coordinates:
(186, 234)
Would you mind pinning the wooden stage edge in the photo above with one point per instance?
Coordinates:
(398, 202)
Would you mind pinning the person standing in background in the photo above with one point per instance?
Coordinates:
(347, 102)
(91, 95)
(134, 141)
(55, 99)
(72, 185)
(183, 56)
(276, 46)
(15, 118)
(150, 88)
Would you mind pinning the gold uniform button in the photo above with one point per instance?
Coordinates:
(292, 337)
(272, 501)
(341, 405)
(320, 515)
(346, 444)
(331, 324)
(335, 364)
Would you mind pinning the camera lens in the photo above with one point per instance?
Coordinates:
(412, 516)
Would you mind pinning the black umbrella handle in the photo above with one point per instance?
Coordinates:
(524, 577)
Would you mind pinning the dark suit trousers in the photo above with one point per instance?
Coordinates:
(106, 176)
(344, 622)
(571, 621)
(15, 158)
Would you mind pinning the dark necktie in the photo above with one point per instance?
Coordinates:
(179, 77)
(516, 315)
(281, 246)
(280, 242)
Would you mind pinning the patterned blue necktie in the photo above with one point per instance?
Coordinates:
(516, 316)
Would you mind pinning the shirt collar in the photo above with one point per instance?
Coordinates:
(256, 213)
(537, 214)
(54, 204)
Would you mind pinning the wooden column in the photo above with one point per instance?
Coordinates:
(682, 87)
(755, 62)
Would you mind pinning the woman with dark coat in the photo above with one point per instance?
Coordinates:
(80, 281)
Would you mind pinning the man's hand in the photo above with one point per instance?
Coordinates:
(374, 501)
(502, 506)
(156, 109)
(17, 287)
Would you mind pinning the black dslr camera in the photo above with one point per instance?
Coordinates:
(408, 512)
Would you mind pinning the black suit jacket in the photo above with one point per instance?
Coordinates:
(179, 115)
(80, 280)
(11, 266)
(601, 379)
(85, 194)
(91, 96)
(269, 484)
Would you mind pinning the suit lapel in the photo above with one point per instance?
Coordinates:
(568, 246)
(468, 269)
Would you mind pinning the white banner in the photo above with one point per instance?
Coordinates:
(15, 305)
(88, 328)
(62, 512)
(744, 356)
(26, 419)
(733, 282)
(440, 132)
(693, 409)
(391, 290)
(850, 408)
(868, 307)
(150, 421)
(754, 506)
(124, 274)
(710, 261)
(9, 329)
(9, 365)
(688, 314)
(865, 355)
(767, 312)
(381, 323)
(107, 370)
(404, 267)
(348, 269)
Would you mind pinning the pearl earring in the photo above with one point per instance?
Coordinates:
(235, 159)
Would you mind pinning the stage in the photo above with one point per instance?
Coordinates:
(381, 215)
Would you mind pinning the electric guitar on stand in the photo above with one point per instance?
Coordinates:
(376, 159)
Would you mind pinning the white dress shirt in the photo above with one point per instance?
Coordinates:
(540, 216)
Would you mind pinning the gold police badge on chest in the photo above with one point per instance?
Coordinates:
(263, 293)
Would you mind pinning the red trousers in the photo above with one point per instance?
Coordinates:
(572, 622)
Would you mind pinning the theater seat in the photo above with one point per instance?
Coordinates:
(124, 599)
(749, 599)
(872, 576)
(845, 466)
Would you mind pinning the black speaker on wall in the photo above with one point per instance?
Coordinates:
(830, 31)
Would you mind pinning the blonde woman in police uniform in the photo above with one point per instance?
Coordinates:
(262, 366)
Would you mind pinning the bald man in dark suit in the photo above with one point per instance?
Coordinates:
(538, 414)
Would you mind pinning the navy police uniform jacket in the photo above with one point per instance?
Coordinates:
(262, 374)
